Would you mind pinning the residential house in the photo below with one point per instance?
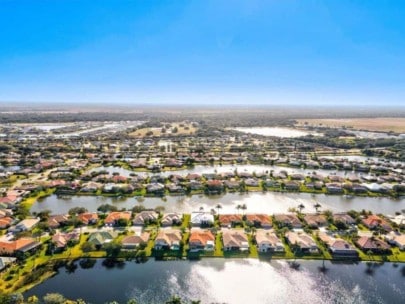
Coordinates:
(101, 237)
(113, 218)
(230, 220)
(201, 240)
(133, 241)
(334, 188)
(267, 241)
(22, 245)
(302, 241)
(25, 225)
(6, 261)
(396, 239)
(61, 240)
(88, 218)
(168, 239)
(315, 220)
(146, 217)
(288, 220)
(6, 222)
(344, 218)
(155, 188)
(373, 244)
(338, 247)
(170, 219)
(259, 220)
(55, 221)
(374, 221)
(233, 240)
(201, 219)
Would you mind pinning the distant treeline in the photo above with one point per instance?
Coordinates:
(217, 117)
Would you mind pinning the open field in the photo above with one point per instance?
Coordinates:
(380, 124)
(172, 129)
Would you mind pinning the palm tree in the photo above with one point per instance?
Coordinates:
(201, 209)
(218, 207)
(238, 207)
(300, 207)
(317, 206)
(243, 207)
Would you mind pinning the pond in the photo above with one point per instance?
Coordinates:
(232, 281)
(277, 131)
(256, 202)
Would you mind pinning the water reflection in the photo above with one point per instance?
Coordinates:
(256, 202)
(233, 281)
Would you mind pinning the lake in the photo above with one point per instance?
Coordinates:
(232, 281)
(256, 202)
(201, 169)
(276, 131)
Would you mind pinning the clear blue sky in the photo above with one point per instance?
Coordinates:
(273, 52)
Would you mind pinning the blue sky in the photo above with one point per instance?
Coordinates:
(274, 52)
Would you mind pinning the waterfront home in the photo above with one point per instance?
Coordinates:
(203, 219)
(113, 218)
(133, 241)
(21, 245)
(195, 185)
(334, 188)
(373, 244)
(230, 220)
(343, 218)
(6, 261)
(398, 219)
(288, 220)
(88, 218)
(61, 240)
(168, 239)
(374, 221)
(55, 221)
(101, 237)
(302, 241)
(232, 184)
(214, 186)
(91, 187)
(291, 185)
(315, 220)
(268, 241)
(201, 240)
(145, 218)
(155, 188)
(259, 220)
(233, 240)
(338, 247)
(26, 225)
(6, 222)
(170, 219)
(397, 239)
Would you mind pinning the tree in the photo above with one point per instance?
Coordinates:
(317, 206)
(106, 208)
(77, 210)
(112, 249)
(174, 300)
(218, 206)
(243, 207)
(87, 247)
(53, 298)
(300, 207)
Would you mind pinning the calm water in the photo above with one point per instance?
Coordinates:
(270, 202)
(232, 281)
(227, 168)
(279, 132)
